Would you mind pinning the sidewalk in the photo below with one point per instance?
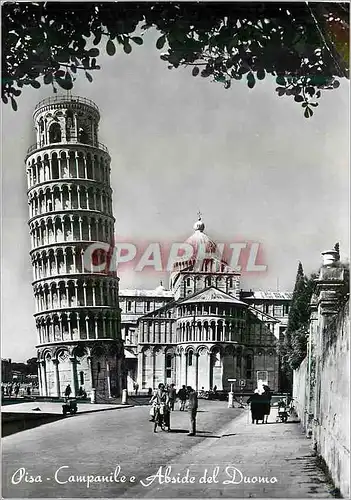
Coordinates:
(45, 407)
(271, 460)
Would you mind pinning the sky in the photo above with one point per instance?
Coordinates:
(247, 159)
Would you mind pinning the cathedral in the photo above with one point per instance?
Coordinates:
(204, 331)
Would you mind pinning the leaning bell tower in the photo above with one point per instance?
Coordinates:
(70, 208)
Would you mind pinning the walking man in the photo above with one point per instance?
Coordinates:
(182, 397)
(68, 391)
(172, 393)
(192, 409)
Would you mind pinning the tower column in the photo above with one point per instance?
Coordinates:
(73, 376)
(57, 377)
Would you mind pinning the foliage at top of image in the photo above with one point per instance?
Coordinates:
(305, 46)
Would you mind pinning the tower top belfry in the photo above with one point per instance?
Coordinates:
(66, 119)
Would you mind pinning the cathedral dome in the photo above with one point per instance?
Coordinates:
(204, 251)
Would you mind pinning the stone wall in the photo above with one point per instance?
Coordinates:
(331, 432)
(300, 392)
(321, 386)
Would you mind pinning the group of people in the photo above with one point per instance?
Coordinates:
(165, 398)
(11, 389)
(260, 404)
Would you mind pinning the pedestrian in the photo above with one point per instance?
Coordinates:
(28, 390)
(256, 406)
(192, 409)
(68, 391)
(182, 397)
(172, 394)
(136, 388)
(267, 397)
(16, 391)
(162, 411)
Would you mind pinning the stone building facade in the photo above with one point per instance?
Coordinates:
(70, 206)
(205, 330)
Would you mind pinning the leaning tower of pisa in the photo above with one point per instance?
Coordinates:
(70, 207)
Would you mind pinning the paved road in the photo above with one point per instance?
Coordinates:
(95, 444)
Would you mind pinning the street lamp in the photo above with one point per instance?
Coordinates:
(231, 394)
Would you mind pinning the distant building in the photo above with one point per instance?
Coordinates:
(204, 330)
(6, 370)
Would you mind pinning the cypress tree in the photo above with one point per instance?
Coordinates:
(293, 348)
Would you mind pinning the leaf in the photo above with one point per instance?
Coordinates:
(318, 94)
(5, 99)
(137, 39)
(280, 80)
(298, 98)
(250, 80)
(93, 52)
(336, 84)
(280, 90)
(127, 47)
(261, 74)
(13, 103)
(35, 84)
(195, 71)
(160, 42)
(64, 84)
(48, 78)
(308, 112)
(89, 77)
(97, 38)
(110, 48)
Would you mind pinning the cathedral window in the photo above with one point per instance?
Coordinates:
(148, 306)
(188, 282)
(81, 378)
(286, 309)
(168, 366)
(129, 306)
(190, 358)
(208, 281)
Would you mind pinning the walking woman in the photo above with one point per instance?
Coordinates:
(257, 407)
